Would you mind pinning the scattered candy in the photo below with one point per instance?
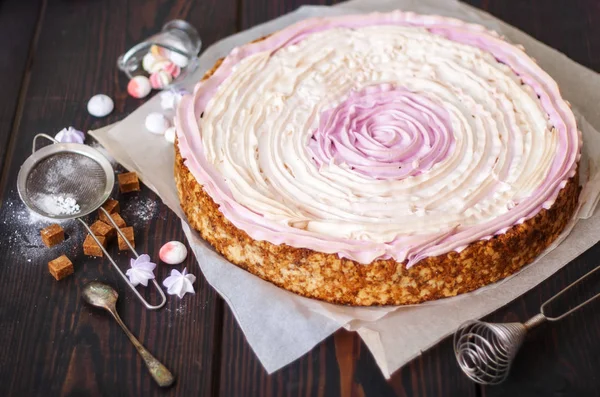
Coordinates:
(180, 283)
(173, 70)
(173, 253)
(128, 232)
(128, 182)
(178, 59)
(139, 87)
(157, 123)
(148, 62)
(171, 98)
(158, 51)
(111, 206)
(102, 229)
(100, 105)
(160, 79)
(175, 57)
(70, 135)
(53, 235)
(170, 134)
(60, 267)
(142, 270)
(91, 248)
(159, 64)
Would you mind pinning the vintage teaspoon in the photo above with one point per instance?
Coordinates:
(104, 296)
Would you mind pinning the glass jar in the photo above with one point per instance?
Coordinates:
(178, 41)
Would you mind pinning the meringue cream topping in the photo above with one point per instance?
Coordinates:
(379, 136)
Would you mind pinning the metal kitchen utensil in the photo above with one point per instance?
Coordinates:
(79, 172)
(485, 351)
(105, 297)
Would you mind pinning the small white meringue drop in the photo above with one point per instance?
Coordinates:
(100, 105)
(173, 253)
(157, 123)
(170, 134)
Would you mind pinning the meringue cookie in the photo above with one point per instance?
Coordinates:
(160, 79)
(170, 134)
(180, 283)
(171, 98)
(100, 105)
(157, 123)
(142, 270)
(70, 135)
(173, 252)
(139, 87)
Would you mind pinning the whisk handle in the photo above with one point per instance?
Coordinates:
(579, 306)
(535, 321)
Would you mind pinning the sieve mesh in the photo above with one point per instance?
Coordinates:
(65, 175)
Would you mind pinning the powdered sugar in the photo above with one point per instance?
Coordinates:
(140, 209)
(56, 205)
(24, 233)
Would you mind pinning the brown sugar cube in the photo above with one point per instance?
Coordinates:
(128, 232)
(102, 229)
(128, 182)
(111, 206)
(90, 248)
(52, 235)
(115, 217)
(60, 267)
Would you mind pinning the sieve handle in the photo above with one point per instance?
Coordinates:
(35, 138)
(118, 269)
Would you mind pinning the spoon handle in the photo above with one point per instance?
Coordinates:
(159, 372)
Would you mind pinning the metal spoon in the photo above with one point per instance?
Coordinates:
(104, 296)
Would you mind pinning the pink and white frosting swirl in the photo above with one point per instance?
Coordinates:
(379, 136)
(384, 133)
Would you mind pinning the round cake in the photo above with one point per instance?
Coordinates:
(381, 159)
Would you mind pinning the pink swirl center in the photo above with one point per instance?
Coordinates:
(384, 132)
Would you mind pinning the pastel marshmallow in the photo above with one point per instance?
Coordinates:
(157, 123)
(170, 134)
(160, 79)
(148, 61)
(178, 59)
(158, 51)
(173, 253)
(160, 64)
(100, 105)
(139, 87)
(173, 70)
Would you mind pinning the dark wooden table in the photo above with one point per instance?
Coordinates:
(57, 54)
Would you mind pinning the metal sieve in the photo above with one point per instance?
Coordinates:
(77, 173)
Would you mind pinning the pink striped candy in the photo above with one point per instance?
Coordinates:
(172, 69)
(160, 79)
(173, 253)
(139, 87)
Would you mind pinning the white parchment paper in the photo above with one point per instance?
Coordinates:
(281, 326)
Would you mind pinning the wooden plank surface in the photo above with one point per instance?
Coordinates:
(17, 19)
(51, 344)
